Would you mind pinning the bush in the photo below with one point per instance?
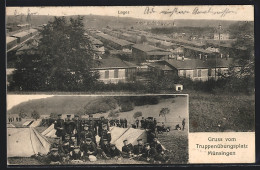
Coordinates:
(137, 114)
(125, 107)
(113, 114)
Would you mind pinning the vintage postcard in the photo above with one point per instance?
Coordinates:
(179, 79)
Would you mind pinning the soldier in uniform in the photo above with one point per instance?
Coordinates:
(183, 124)
(114, 152)
(105, 134)
(75, 154)
(69, 125)
(92, 125)
(161, 156)
(127, 149)
(142, 123)
(156, 145)
(101, 123)
(139, 148)
(78, 128)
(149, 154)
(59, 126)
(86, 133)
(105, 149)
(88, 148)
(137, 123)
(53, 157)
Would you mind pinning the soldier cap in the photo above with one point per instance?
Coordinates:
(76, 116)
(88, 139)
(57, 138)
(68, 115)
(124, 140)
(59, 114)
(90, 115)
(147, 144)
(139, 139)
(112, 145)
(104, 139)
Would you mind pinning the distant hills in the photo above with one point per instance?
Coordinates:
(65, 105)
(98, 21)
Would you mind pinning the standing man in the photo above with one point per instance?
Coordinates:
(78, 128)
(183, 124)
(92, 125)
(86, 133)
(142, 123)
(137, 123)
(105, 134)
(59, 126)
(69, 125)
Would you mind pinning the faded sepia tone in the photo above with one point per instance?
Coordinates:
(203, 51)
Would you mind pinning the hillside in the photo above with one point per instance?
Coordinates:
(61, 104)
(98, 21)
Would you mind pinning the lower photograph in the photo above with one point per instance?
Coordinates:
(97, 129)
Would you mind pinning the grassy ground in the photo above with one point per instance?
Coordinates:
(221, 112)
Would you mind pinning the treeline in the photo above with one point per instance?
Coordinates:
(190, 30)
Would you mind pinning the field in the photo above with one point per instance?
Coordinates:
(221, 112)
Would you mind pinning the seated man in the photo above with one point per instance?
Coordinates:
(177, 127)
(139, 148)
(149, 154)
(127, 149)
(156, 145)
(54, 158)
(88, 148)
(75, 154)
(105, 149)
(114, 152)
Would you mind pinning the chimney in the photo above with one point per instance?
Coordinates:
(200, 56)
(206, 57)
(221, 55)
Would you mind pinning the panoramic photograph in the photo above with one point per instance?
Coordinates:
(64, 130)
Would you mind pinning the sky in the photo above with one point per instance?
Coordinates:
(13, 100)
(216, 12)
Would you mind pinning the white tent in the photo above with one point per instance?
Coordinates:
(36, 123)
(28, 122)
(50, 132)
(120, 134)
(10, 125)
(25, 142)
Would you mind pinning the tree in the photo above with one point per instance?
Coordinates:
(35, 115)
(22, 114)
(164, 111)
(62, 61)
(137, 114)
(53, 115)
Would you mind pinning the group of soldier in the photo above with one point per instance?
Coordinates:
(76, 140)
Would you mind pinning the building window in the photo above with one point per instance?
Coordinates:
(116, 73)
(219, 71)
(199, 73)
(184, 73)
(106, 74)
(209, 72)
(195, 73)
